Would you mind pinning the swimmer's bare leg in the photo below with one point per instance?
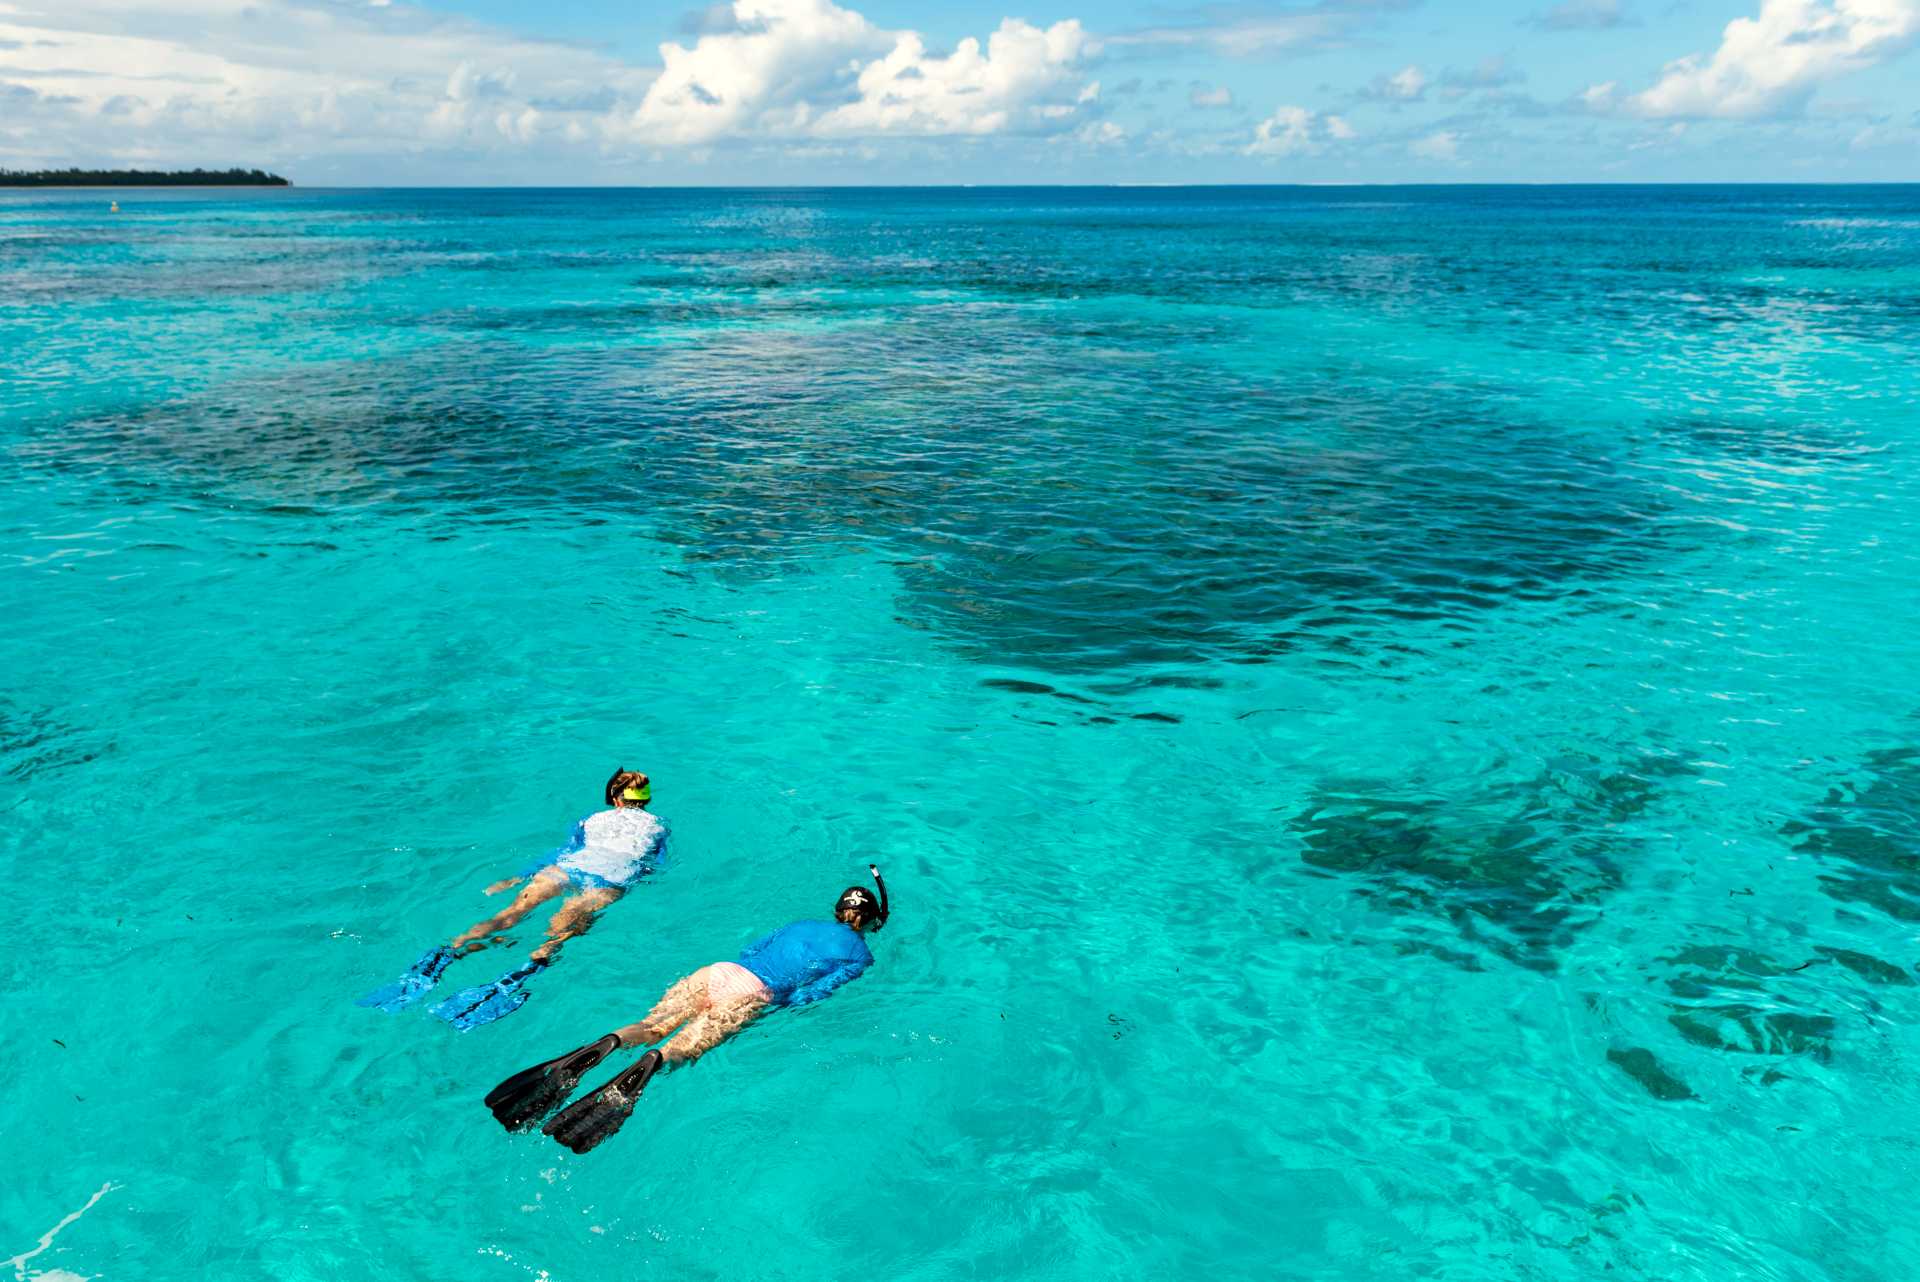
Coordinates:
(713, 1025)
(680, 1003)
(575, 918)
(546, 883)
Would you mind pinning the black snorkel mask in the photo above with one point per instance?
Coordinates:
(863, 905)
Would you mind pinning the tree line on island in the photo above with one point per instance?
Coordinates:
(140, 178)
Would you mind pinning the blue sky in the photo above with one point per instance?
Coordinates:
(886, 91)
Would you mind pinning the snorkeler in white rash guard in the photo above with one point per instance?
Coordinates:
(608, 852)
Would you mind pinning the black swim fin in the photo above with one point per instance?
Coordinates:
(532, 1093)
(587, 1121)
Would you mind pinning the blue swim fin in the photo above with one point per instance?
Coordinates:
(412, 986)
(472, 1007)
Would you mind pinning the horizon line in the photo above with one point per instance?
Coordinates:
(291, 185)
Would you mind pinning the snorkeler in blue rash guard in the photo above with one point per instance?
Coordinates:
(807, 960)
(609, 851)
(793, 966)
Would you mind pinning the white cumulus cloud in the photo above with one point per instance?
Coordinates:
(1409, 84)
(810, 67)
(1770, 64)
(274, 81)
(1296, 131)
(1027, 78)
(766, 74)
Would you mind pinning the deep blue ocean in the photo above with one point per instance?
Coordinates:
(1389, 716)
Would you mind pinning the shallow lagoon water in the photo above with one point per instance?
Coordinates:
(1388, 716)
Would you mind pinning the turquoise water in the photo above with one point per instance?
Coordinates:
(1388, 715)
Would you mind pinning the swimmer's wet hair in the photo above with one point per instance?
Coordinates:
(618, 783)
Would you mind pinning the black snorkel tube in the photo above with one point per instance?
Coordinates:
(881, 882)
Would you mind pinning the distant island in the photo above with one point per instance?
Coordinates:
(140, 178)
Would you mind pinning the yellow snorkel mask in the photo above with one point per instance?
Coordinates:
(639, 796)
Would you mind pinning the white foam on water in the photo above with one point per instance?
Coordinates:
(538, 1274)
(19, 1262)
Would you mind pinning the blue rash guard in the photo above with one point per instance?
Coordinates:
(807, 960)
